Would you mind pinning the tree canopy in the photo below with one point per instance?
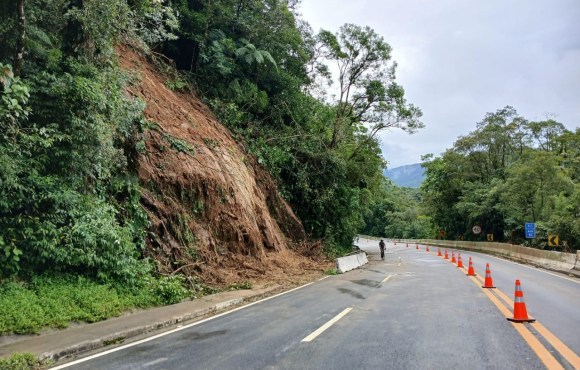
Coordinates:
(70, 135)
(507, 172)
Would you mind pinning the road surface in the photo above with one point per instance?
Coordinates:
(414, 310)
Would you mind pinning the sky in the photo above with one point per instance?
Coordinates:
(459, 59)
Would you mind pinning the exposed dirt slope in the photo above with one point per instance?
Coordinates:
(214, 212)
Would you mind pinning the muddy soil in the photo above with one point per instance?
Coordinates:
(215, 214)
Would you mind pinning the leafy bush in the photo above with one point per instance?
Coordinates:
(56, 300)
(68, 202)
(19, 361)
(14, 99)
(13, 319)
(169, 289)
(154, 22)
(331, 271)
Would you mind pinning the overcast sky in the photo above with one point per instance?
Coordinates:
(459, 59)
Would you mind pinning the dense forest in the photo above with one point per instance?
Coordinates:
(72, 221)
(308, 106)
(508, 172)
(69, 199)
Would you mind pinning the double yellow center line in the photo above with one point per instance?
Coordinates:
(541, 351)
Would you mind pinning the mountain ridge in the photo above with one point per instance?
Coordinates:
(409, 176)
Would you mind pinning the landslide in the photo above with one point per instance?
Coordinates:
(215, 214)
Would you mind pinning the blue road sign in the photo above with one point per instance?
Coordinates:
(530, 230)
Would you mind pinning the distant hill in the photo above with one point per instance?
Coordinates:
(410, 176)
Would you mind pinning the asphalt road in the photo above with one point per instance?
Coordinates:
(553, 299)
(412, 311)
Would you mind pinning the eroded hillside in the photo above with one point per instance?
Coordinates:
(214, 212)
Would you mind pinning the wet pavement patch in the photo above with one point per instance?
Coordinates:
(352, 293)
(201, 336)
(367, 282)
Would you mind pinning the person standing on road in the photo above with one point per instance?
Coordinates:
(382, 247)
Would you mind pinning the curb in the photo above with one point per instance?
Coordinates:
(122, 335)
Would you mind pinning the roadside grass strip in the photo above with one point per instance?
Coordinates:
(543, 353)
(179, 328)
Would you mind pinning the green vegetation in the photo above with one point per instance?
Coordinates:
(240, 286)
(398, 213)
(70, 136)
(72, 230)
(507, 172)
(20, 361)
(69, 198)
(263, 71)
(55, 301)
(331, 271)
(71, 223)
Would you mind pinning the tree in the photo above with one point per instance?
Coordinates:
(19, 54)
(532, 185)
(396, 213)
(569, 151)
(68, 201)
(545, 133)
(503, 174)
(367, 92)
(494, 145)
(441, 190)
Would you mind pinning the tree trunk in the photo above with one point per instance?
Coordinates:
(19, 55)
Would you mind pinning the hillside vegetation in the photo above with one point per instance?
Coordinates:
(153, 151)
(507, 172)
(117, 175)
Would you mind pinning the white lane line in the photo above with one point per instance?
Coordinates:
(526, 266)
(327, 325)
(155, 362)
(386, 279)
(64, 366)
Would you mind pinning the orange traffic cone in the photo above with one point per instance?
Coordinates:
(439, 252)
(446, 255)
(520, 312)
(453, 260)
(488, 280)
(470, 270)
(427, 250)
(459, 262)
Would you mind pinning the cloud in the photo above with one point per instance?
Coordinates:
(460, 59)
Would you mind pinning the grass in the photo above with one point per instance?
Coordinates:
(240, 286)
(331, 271)
(56, 301)
(21, 361)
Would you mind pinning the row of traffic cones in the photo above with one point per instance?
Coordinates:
(520, 311)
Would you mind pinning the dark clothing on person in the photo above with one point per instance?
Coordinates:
(382, 246)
